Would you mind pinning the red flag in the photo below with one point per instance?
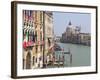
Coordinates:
(24, 44)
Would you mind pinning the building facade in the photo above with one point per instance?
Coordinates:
(35, 36)
(49, 35)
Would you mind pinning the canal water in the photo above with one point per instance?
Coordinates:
(81, 55)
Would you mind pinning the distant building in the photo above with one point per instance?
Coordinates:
(57, 38)
(73, 35)
(85, 38)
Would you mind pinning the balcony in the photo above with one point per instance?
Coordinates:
(31, 44)
(28, 44)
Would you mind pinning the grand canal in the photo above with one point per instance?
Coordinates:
(81, 55)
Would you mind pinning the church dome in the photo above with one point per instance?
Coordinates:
(70, 26)
(70, 23)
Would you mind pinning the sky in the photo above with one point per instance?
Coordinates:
(61, 20)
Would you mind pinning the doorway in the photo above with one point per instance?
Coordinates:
(28, 61)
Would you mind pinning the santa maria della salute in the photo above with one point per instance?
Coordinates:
(74, 35)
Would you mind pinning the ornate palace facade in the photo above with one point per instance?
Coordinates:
(36, 41)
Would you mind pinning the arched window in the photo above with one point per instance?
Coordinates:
(35, 35)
